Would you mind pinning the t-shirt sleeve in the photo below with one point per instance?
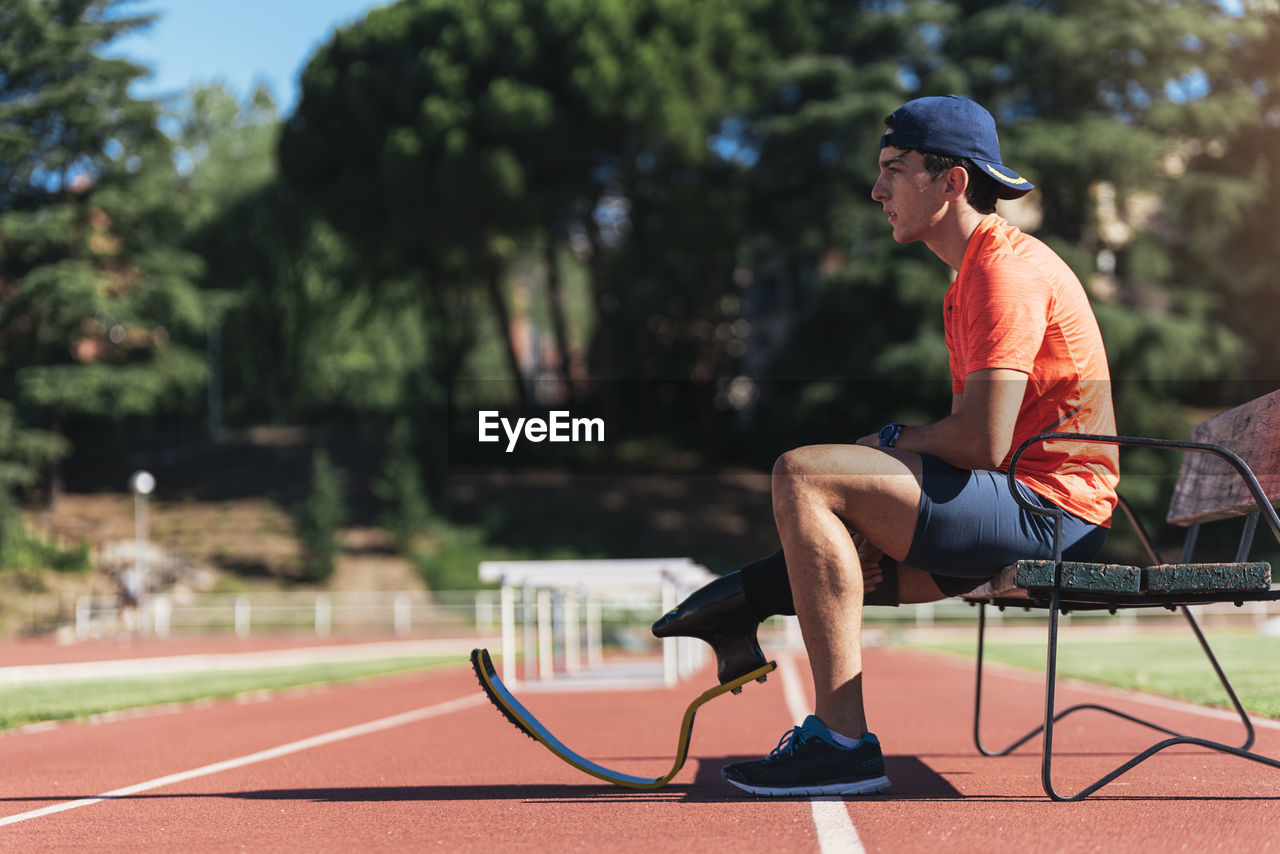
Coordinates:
(1004, 316)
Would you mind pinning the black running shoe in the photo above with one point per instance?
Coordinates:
(807, 761)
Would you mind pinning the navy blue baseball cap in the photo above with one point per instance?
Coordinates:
(960, 127)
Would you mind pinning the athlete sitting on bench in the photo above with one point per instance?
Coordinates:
(919, 513)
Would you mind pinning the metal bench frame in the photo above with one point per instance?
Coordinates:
(1057, 601)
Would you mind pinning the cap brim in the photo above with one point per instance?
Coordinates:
(1012, 185)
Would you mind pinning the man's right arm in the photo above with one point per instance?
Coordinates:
(978, 433)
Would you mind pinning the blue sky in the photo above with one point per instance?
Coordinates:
(236, 42)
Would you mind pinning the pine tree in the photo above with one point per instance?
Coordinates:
(1119, 110)
(1229, 200)
(24, 453)
(405, 508)
(319, 518)
(1101, 102)
(96, 306)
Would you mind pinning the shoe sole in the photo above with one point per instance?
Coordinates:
(873, 786)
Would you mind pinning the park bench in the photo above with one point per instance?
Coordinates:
(1230, 468)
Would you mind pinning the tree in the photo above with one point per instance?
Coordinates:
(844, 331)
(24, 455)
(405, 508)
(319, 518)
(1228, 194)
(1101, 101)
(1097, 102)
(390, 146)
(97, 305)
(439, 132)
(302, 331)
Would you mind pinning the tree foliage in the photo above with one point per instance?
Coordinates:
(705, 166)
(438, 132)
(1103, 102)
(399, 488)
(319, 518)
(1100, 103)
(97, 300)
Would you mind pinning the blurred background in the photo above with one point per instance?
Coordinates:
(287, 300)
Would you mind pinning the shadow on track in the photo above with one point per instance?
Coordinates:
(913, 778)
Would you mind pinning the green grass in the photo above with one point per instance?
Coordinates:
(81, 698)
(1172, 666)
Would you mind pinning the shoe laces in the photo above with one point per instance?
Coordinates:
(791, 739)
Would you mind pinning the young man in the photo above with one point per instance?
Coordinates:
(918, 513)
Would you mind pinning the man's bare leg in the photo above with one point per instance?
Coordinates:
(819, 493)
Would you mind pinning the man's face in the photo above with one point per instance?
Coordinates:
(911, 197)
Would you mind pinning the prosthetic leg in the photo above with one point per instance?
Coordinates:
(725, 613)
(524, 720)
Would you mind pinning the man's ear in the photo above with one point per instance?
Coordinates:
(957, 183)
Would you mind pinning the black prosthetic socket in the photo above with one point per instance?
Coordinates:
(718, 613)
(767, 587)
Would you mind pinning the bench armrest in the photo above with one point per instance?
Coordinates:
(1242, 468)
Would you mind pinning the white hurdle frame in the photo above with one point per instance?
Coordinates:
(545, 583)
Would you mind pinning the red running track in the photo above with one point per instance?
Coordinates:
(451, 774)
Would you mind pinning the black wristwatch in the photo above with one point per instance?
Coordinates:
(889, 433)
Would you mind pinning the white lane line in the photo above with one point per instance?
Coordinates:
(256, 660)
(379, 725)
(836, 833)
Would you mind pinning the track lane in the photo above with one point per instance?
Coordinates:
(468, 781)
(947, 797)
(465, 781)
(237, 762)
(82, 760)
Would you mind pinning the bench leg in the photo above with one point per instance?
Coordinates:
(1222, 677)
(1052, 717)
(977, 702)
(1046, 764)
(1049, 689)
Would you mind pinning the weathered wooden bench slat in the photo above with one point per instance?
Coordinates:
(1130, 583)
(1208, 488)
(1017, 580)
(1083, 577)
(1206, 577)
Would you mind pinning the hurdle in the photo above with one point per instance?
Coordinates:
(561, 602)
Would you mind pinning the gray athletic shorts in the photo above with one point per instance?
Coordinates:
(970, 527)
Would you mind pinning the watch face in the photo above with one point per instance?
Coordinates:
(886, 434)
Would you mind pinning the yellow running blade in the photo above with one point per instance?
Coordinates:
(512, 709)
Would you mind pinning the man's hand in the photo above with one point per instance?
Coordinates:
(869, 556)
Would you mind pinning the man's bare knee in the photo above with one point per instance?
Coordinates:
(793, 463)
(788, 475)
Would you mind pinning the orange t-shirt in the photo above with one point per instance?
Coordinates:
(1016, 305)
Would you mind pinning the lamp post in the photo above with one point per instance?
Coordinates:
(141, 483)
